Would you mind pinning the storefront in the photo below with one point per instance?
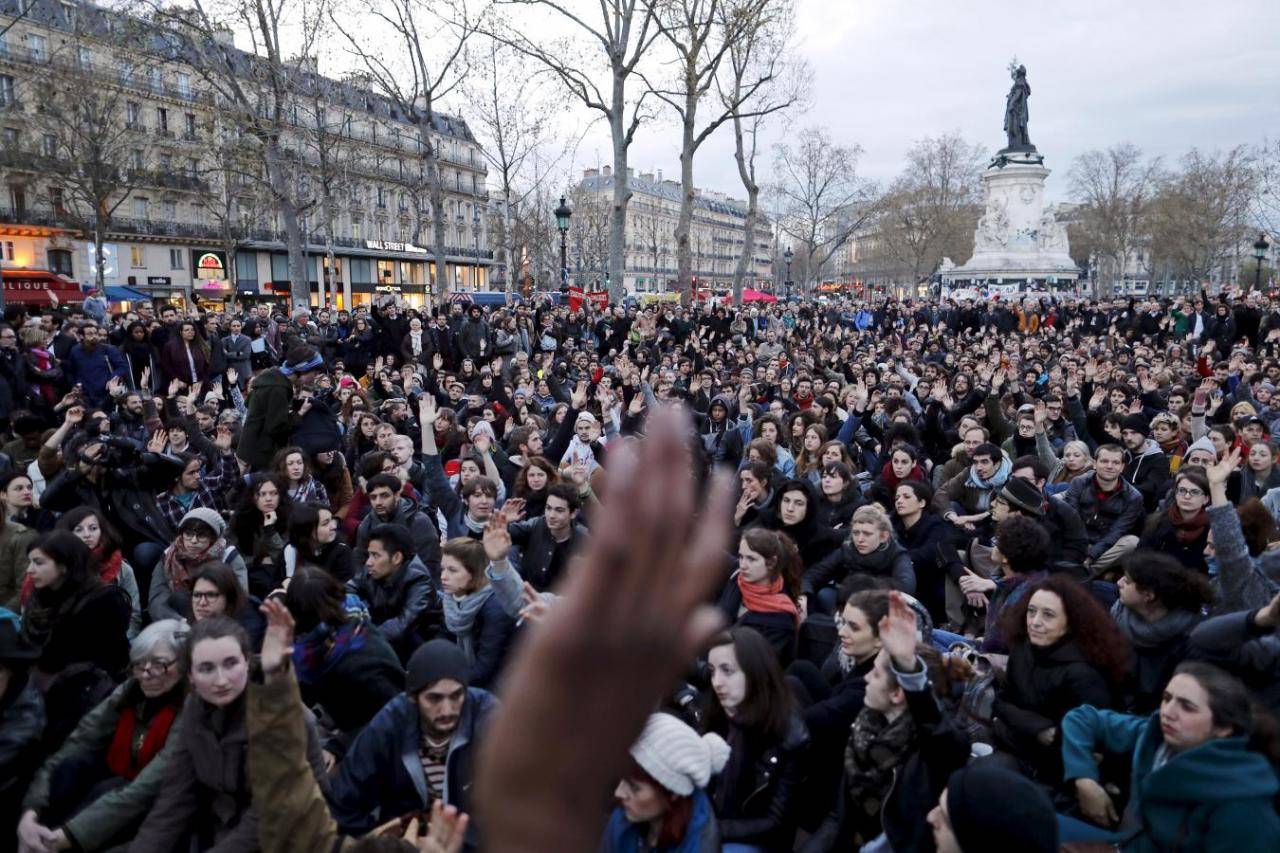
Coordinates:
(366, 293)
(40, 289)
(210, 283)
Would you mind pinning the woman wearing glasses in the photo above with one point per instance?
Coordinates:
(1183, 531)
(200, 539)
(215, 591)
(94, 791)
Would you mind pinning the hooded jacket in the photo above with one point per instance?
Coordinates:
(1214, 797)
(269, 423)
(426, 538)
(1148, 471)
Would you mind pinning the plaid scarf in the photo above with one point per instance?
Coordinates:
(319, 650)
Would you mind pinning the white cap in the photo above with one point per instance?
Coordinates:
(676, 757)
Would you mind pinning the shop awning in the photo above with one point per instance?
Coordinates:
(124, 293)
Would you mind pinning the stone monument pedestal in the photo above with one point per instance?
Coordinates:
(1019, 244)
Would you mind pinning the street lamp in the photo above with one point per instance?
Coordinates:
(563, 214)
(788, 256)
(1260, 253)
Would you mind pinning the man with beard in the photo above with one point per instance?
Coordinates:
(92, 363)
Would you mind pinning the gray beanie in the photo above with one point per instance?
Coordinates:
(1203, 443)
(676, 757)
(204, 515)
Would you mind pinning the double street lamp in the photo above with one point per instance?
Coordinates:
(563, 214)
(788, 256)
(1260, 254)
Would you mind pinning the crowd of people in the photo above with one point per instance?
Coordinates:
(813, 576)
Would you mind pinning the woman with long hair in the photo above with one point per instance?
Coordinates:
(762, 593)
(1160, 603)
(95, 790)
(1260, 473)
(809, 458)
(755, 798)
(201, 537)
(795, 513)
(15, 537)
(1064, 651)
(216, 591)
(331, 471)
(1201, 769)
(1182, 531)
(1076, 460)
(870, 550)
(104, 547)
(204, 801)
(535, 477)
(291, 466)
(259, 528)
(41, 368)
(313, 540)
(903, 466)
(141, 356)
(185, 356)
(472, 613)
(662, 802)
(362, 437)
(921, 531)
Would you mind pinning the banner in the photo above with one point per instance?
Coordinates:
(598, 298)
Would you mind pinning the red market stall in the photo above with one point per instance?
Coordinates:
(40, 288)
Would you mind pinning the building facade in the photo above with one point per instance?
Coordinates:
(190, 218)
(716, 238)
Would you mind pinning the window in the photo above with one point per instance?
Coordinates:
(8, 250)
(246, 266)
(166, 162)
(4, 44)
(69, 12)
(18, 200)
(193, 167)
(136, 159)
(169, 210)
(57, 201)
(356, 229)
(39, 47)
(139, 210)
(162, 118)
(382, 201)
(138, 255)
(191, 125)
(10, 135)
(133, 115)
(60, 262)
(85, 55)
(184, 84)
(175, 258)
(49, 145)
(156, 78)
(6, 91)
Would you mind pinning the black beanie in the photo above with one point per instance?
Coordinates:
(1023, 495)
(1137, 423)
(433, 661)
(991, 808)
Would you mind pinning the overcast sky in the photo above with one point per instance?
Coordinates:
(1166, 76)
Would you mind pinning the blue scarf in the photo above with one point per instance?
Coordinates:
(988, 488)
(319, 650)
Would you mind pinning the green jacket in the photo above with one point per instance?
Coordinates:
(269, 423)
(14, 539)
(1215, 798)
(116, 811)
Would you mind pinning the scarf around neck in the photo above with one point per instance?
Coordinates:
(179, 560)
(1188, 529)
(320, 649)
(766, 597)
(876, 748)
(460, 617)
(1148, 635)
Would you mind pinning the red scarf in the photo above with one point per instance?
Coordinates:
(1188, 530)
(767, 597)
(120, 757)
(108, 570)
(891, 480)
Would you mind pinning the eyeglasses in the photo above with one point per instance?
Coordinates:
(151, 666)
(194, 536)
(1184, 492)
(205, 596)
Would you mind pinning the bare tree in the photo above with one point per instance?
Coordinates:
(1199, 215)
(92, 159)
(931, 208)
(519, 127)
(761, 53)
(426, 65)
(590, 237)
(821, 202)
(653, 235)
(619, 34)
(235, 203)
(1115, 188)
(1266, 202)
(701, 33)
(257, 89)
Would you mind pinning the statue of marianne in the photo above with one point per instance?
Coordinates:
(1015, 110)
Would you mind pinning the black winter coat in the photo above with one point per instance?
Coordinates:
(398, 605)
(846, 560)
(126, 496)
(354, 689)
(1041, 686)
(755, 798)
(778, 628)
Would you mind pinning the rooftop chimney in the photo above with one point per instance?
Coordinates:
(590, 173)
(631, 173)
(646, 176)
(659, 176)
(607, 171)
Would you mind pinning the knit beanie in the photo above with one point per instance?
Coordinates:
(1024, 495)
(991, 808)
(433, 661)
(204, 515)
(676, 757)
(1137, 423)
(1203, 443)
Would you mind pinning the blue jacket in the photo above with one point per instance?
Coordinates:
(702, 836)
(1214, 798)
(381, 777)
(94, 370)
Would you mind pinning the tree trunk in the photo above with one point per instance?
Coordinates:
(435, 189)
(99, 256)
(684, 260)
(621, 193)
(746, 173)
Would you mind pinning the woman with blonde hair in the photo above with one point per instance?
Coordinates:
(870, 550)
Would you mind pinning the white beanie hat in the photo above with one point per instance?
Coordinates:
(676, 757)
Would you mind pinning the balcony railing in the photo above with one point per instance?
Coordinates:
(97, 70)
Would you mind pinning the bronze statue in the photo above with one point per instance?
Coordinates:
(1015, 111)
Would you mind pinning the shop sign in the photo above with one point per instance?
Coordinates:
(386, 246)
(210, 266)
(158, 280)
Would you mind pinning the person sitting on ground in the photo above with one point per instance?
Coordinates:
(870, 550)
(200, 538)
(396, 588)
(762, 593)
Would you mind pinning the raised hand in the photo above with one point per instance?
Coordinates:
(426, 409)
(1220, 471)
(277, 643)
(496, 539)
(578, 398)
(233, 376)
(898, 633)
(446, 831)
(513, 510)
(74, 415)
(159, 439)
